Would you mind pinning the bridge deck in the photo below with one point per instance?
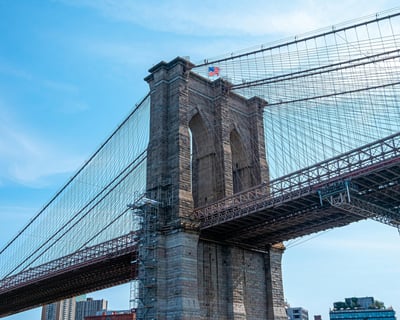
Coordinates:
(87, 270)
(268, 220)
(291, 207)
(287, 208)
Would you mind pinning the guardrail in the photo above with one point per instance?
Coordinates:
(109, 249)
(345, 166)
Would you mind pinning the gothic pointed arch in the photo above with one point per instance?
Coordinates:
(241, 164)
(202, 162)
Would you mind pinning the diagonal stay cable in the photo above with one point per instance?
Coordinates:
(74, 176)
(104, 228)
(298, 39)
(318, 70)
(80, 211)
(336, 93)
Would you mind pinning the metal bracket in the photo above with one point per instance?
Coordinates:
(341, 196)
(334, 189)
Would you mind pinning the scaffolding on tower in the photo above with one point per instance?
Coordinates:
(143, 290)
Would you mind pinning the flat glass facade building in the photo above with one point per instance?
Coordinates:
(368, 314)
(366, 308)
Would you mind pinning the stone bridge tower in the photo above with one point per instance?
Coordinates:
(206, 143)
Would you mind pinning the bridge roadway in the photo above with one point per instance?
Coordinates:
(363, 183)
(90, 269)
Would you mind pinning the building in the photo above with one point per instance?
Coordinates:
(363, 303)
(61, 310)
(89, 307)
(113, 315)
(297, 313)
(75, 308)
(366, 308)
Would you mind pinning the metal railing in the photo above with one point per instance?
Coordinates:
(345, 166)
(89, 255)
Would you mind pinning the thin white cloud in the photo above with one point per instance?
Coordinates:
(28, 159)
(60, 86)
(13, 71)
(72, 107)
(122, 53)
(134, 55)
(54, 85)
(244, 25)
(70, 104)
(232, 18)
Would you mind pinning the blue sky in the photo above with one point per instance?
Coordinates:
(71, 70)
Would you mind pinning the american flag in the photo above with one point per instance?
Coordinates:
(213, 71)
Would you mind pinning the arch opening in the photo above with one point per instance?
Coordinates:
(241, 168)
(202, 166)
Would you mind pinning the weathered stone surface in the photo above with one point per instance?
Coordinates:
(206, 143)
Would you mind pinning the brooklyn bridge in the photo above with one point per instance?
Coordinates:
(192, 197)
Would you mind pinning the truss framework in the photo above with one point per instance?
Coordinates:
(365, 209)
(358, 162)
(107, 250)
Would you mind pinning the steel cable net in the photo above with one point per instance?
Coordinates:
(328, 92)
(92, 207)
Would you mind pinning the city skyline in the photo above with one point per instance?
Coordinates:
(71, 70)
